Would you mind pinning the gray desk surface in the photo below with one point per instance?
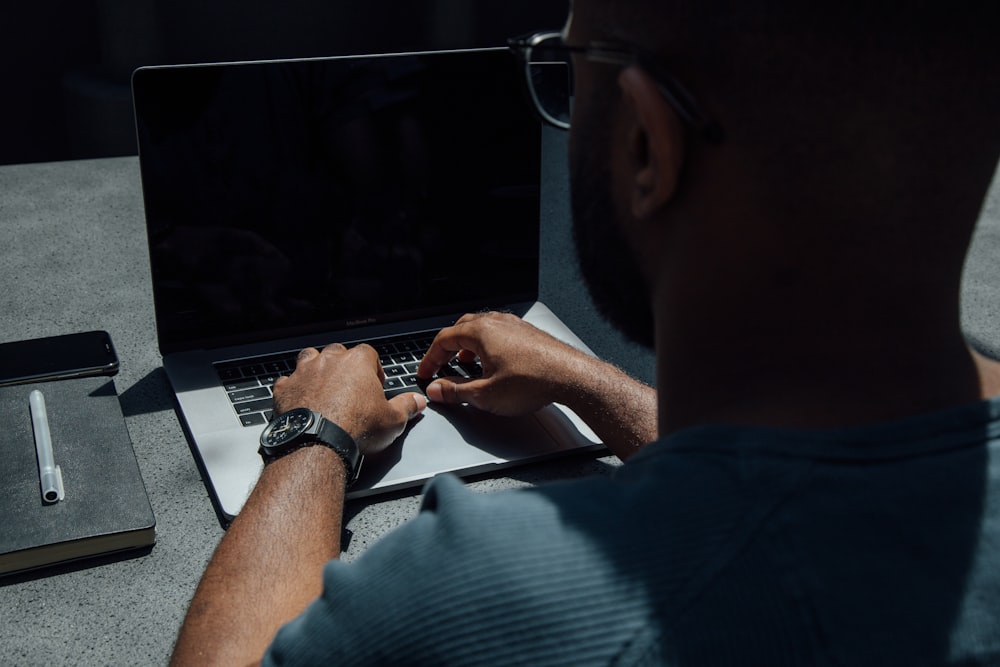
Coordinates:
(73, 258)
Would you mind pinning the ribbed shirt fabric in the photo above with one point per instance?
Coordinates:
(719, 545)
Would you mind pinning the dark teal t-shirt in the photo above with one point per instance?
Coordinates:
(718, 545)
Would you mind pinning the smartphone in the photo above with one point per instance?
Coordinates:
(57, 358)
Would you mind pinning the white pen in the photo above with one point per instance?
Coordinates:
(49, 473)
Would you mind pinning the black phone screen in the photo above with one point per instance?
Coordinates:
(57, 357)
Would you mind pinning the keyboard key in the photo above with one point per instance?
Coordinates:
(402, 357)
(447, 371)
(253, 369)
(396, 392)
(395, 370)
(268, 380)
(252, 406)
(238, 385)
(249, 395)
(392, 383)
(226, 374)
(410, 380)
(472, 369)
(276, 367)
(255, 419)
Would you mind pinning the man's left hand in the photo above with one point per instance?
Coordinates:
(345, 386)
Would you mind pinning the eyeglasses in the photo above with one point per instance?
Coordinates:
(548, 70)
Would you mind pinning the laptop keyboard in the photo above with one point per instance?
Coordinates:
(248, 382)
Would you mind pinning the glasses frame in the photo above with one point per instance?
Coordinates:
(622, 55)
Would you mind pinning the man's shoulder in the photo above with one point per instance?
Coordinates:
(457, 518)
(472, 571)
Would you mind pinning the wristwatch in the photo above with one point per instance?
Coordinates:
(301, 427)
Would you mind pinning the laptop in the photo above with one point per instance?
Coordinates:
(352, 199)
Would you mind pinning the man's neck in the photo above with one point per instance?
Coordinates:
(989, 375)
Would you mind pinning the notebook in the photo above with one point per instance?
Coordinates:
(302, 202)
(104, 510)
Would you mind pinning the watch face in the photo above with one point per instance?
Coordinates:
(285, 427)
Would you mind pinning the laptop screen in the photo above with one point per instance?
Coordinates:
(291, 197)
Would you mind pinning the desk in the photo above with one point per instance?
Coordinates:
(74, 258)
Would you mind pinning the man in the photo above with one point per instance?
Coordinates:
(778, 197)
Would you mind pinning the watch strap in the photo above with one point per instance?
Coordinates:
(333, 436)
(330, 435)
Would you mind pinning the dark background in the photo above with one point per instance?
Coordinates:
(66, 63)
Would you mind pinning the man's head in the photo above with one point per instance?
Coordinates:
(859, 140)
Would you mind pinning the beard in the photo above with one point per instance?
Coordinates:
(609, 266)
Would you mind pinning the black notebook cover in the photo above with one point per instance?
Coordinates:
(105, 508)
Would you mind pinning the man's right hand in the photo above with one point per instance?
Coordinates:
(524, 368)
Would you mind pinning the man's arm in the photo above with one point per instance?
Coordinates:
(525, 369)
(269, 564)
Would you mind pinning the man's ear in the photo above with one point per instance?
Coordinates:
(654, 142)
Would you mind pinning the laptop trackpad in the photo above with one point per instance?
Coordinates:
(455, 438)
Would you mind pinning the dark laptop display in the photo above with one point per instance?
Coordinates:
(296, 197)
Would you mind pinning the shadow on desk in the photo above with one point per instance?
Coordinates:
(150, 394)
